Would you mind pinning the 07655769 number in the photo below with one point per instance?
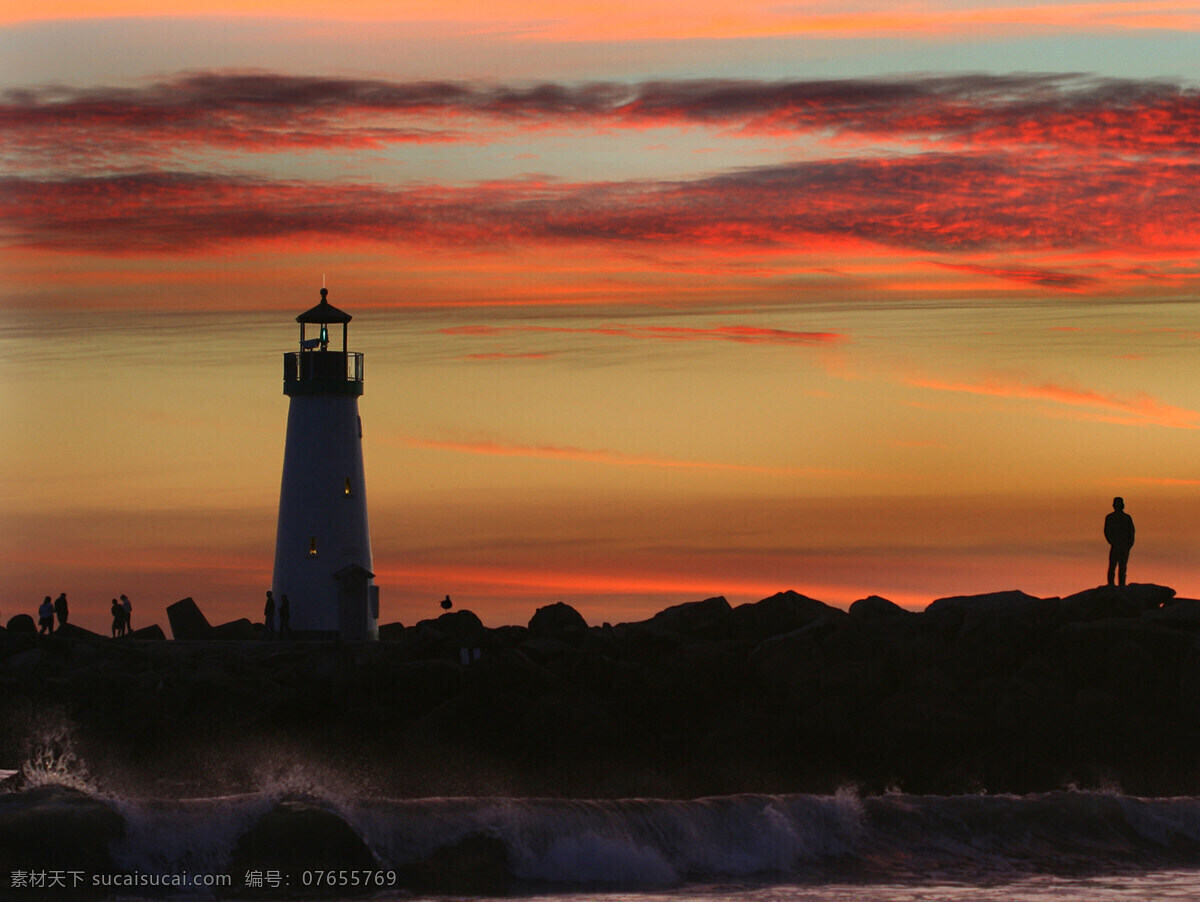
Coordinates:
(348, 878)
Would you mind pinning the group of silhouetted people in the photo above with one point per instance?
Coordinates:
(285, 616)
(58, 609)
(122, 613)
(49, 610)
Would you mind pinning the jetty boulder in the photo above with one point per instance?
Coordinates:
(71, 631)
(391, 632)
(1115, 601)
(234, 630)
(188, 621)
(708, 618)
(21, 623)
(555, 619)
(151, 633)
(781, 613)
(1010, 602)
(462, 624)
(873, 607)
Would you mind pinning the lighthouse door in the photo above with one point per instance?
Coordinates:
(353, 602)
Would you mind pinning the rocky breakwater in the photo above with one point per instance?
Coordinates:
(1003, 692)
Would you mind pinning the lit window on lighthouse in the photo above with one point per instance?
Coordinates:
(348, 491)
(312, 547)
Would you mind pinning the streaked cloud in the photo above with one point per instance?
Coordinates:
(1030, 275)
(739, 334)
(1169, 481)
(931, 202)
(265, 112)
(1138, 409)
(599, 456)
(984, 172)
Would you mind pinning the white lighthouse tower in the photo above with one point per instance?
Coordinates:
(323, 541)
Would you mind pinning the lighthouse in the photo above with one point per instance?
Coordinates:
(322, 540)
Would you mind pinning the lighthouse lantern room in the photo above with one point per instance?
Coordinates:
(322, 540)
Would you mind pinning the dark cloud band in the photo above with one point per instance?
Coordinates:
(262, 111)
(928, 202)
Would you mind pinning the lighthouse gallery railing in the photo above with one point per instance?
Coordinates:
(322, 366)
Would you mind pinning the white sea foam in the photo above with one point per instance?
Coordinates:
(52, 759)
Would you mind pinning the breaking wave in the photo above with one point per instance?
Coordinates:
(651, 842)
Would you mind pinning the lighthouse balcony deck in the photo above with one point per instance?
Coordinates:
(321, 372)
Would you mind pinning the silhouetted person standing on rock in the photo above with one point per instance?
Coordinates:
(46, 617)
(60, 608)
(118, 615)
(285, 616)
(1118, 529)
(269, 615)
(127, 608)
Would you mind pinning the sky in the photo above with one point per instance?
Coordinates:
(658, 301)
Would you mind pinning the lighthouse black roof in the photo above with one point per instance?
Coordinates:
(324, 312)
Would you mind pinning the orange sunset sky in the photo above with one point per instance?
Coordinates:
(659, 301)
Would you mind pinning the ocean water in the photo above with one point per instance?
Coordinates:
(1068, 845)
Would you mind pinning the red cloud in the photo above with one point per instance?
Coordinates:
(1043, 278)
(267, 112)
(931, 202)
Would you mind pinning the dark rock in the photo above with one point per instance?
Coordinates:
(475, 865)
(456, 625)
(188, 621)
(56, 828)
(1011, 602)
(509, 670)
(1182, 613)
(295, 836)
(993, 645)
(706, 618)
(30, 663)
(567, 735)
(779, 614)
(875, 608)
(424, 685)
(1004, 691)
(694, 681)
(508, 636)
(235, 630)
(21, 623)
(481, 720)
(1033, 704)
(151, 633)
(391, 632)
(1132, 658)
(1149, 596)
(71, 631)
(792, 662)
(556, 618)
(1115, 601)
(926, 713)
